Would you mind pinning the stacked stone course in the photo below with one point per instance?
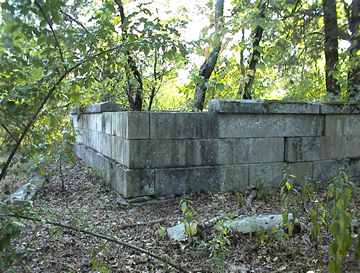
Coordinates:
(233, 145)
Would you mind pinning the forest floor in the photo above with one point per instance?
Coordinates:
(88, 204)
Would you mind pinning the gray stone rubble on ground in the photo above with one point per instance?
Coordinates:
(242, 224)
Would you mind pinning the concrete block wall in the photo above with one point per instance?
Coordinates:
(233, 145)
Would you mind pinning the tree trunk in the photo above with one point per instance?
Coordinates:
(208, 66)
(242, 65)
(134, 92)
(331, 46)
(354, 73)
(256, 54)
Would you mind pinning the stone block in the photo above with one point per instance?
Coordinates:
(235, 126)
(182, 125)
(107, 122)
(259, 150)
(332, 147)
(131, 125)
(98, 108)
(74, 121)
(340, 125)
(178, 181)
(299, 149)
(120, 150)
(262, 107)
(266, 174)
(340, 108)
(326, 169)
(352, 146)
(354, 169)
(233, 178)
(303, 171)
(140, 182)
(94, 122)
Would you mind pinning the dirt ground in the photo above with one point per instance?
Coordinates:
(88, 204)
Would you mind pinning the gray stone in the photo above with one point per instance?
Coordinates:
(262, 107)
(327, 169)
(303, 171)
(182, 125)
(266, 174)
(233, 178)
(332, 147)
(178, 181)
(242, 224)
(299, 149)
(131, 125)
(340, 125)
(27, 191)
(98, 108)
(252, 224)
(340, 108)
(177, 233)
(94, 122)
(107, 123)
(233, 126)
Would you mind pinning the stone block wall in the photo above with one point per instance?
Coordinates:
(233, 145)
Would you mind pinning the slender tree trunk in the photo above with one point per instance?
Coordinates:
(242, 65)
(256, 54)
(331, 46)
(208, 66)
(134, 92)
(354, 73)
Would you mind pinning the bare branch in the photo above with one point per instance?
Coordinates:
(101, 236)
(9, 132)
(50, 23)
(73, 19)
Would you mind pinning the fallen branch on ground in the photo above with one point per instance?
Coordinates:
(100, 236)
(142, 224)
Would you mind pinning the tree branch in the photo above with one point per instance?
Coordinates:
(73, 19)
(101, 236)
(50, 23)
(9, 132)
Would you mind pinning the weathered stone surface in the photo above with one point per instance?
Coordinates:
(233, 126)
(262, 107)
(303, 171)
(177, 232)
(98, 108)
(340, 125)
(240, 144)
(242, 224)
(129, 183)
(266, 174)
(233, 178)
(332, 147)
(27, 191)
(107, 123)
(163, 153)
(131, 125)
(354, 168)
(340, 108)
(169, 182)
(120, 150)
(252, 224)
(178, 181)
(182, 125)
(327, 169)
(299, 149)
